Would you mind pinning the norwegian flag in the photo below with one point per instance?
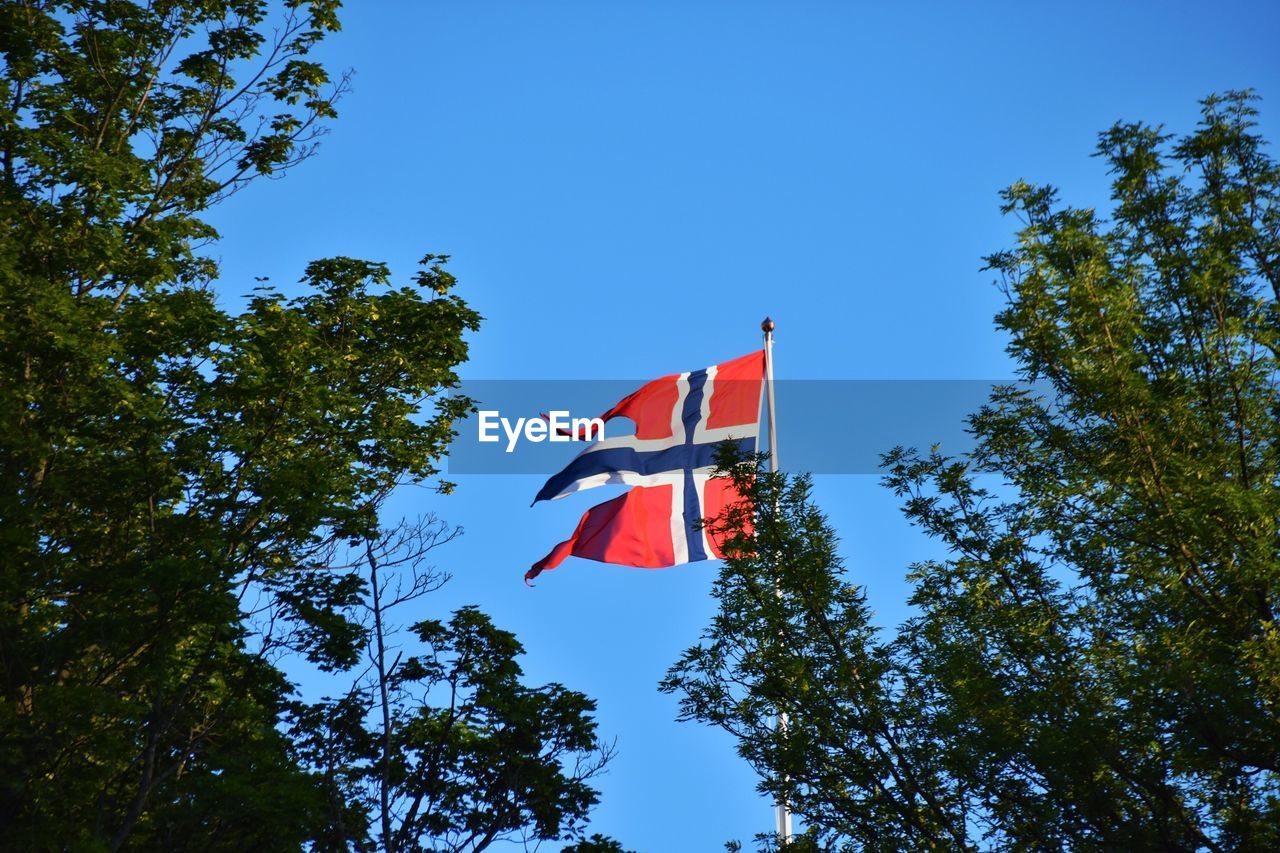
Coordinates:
(680, 420)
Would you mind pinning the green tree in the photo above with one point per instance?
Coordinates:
(183, 486)
(855, 760)
(173, 476)
(595, 844)
(172, 544)
(1097, 663)
(445, 748)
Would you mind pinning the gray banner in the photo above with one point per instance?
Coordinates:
(825, 426)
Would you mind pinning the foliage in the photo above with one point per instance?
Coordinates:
(1096, 663)
(595, 844)
(168, 522)
(446, 749)
(175, 477)
(120, 123)
(790, 635)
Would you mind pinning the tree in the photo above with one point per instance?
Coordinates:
(173, 475)
(595, 844)
(182, 486)
(1096, 664)
(446, 749)
(790, 635)
(120, 123)
(177, 541)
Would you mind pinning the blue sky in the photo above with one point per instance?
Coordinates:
(628, 188)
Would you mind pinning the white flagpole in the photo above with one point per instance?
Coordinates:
(784, 808)
(767, 326)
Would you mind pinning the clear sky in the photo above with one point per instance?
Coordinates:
(628, 188)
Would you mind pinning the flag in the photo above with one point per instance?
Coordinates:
(680, 420)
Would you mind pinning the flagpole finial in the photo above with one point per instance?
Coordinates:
(766, 326)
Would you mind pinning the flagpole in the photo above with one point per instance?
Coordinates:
(783, 822)
(767, 327)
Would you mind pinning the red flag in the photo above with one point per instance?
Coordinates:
(680, 420)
